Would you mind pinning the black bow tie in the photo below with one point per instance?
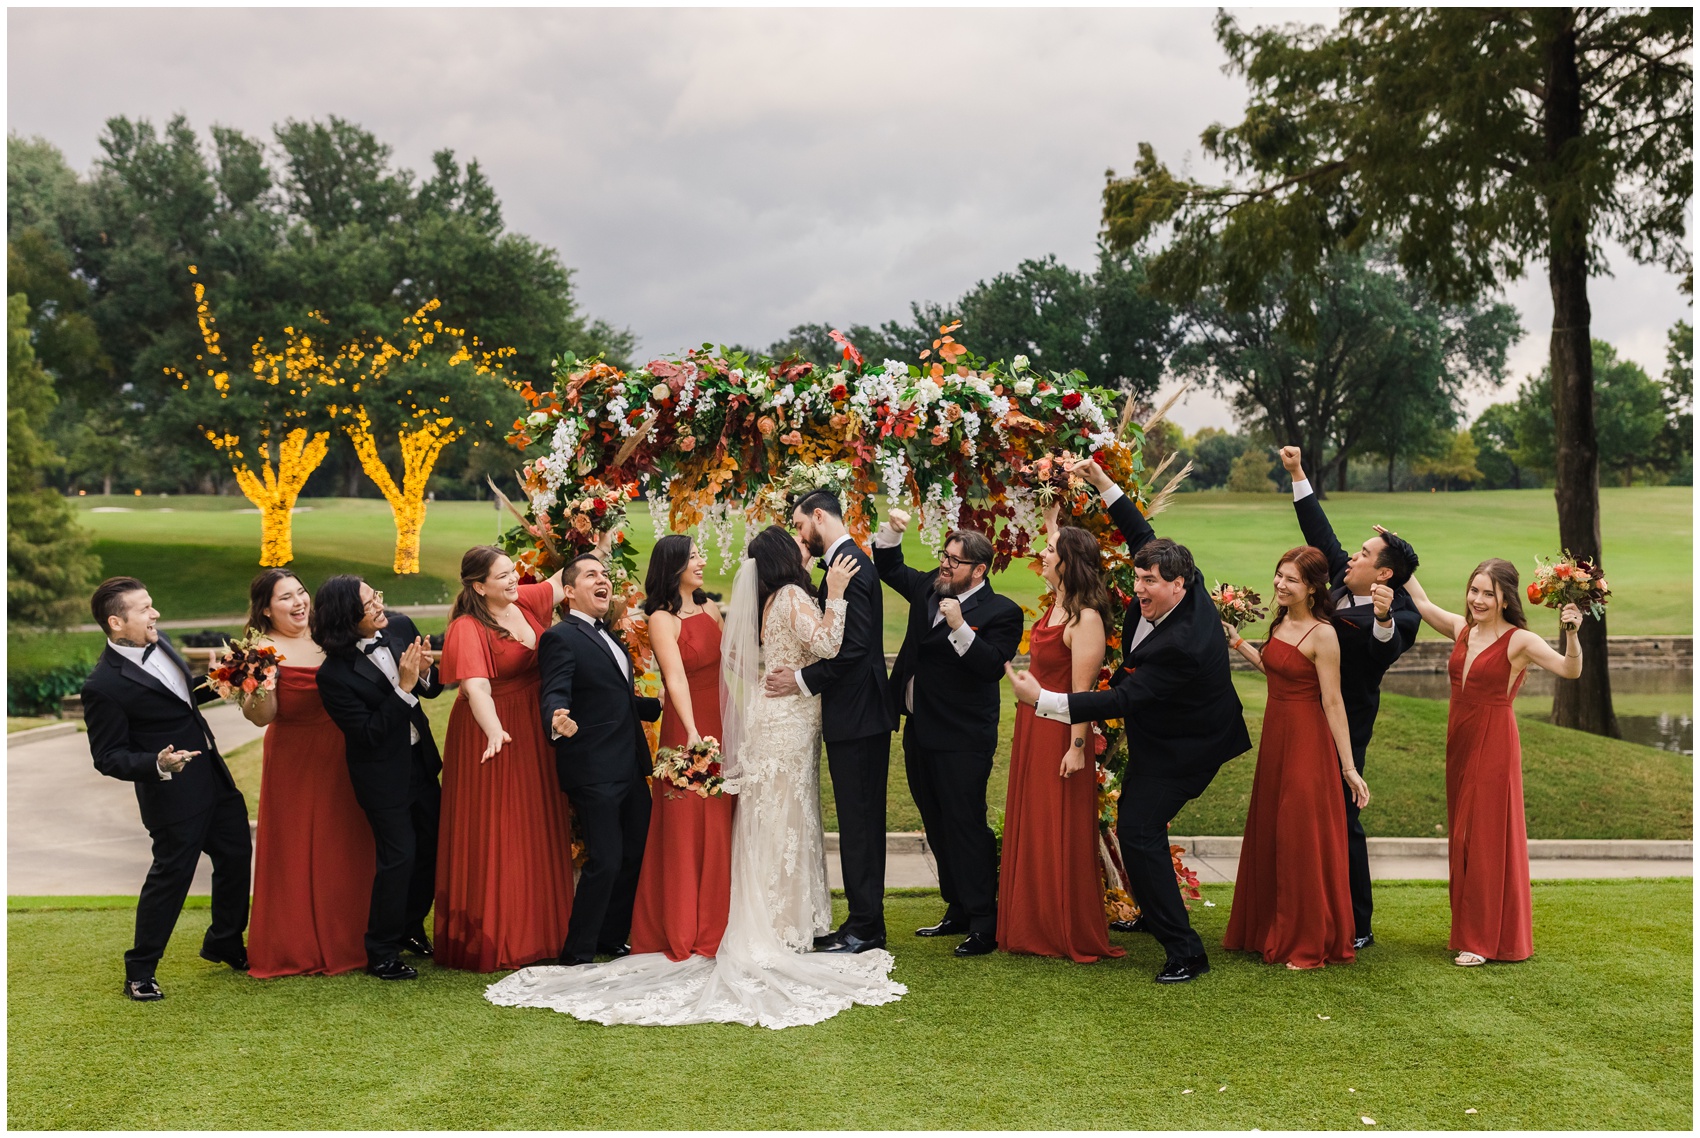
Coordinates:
(148, 651)
(601, 626)
(374, 646)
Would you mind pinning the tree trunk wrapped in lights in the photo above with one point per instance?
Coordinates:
(275, 396)
(419, 451)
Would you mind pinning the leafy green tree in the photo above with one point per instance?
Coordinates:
(1456, 462)
(49, 568)
(1628, 406)
(1495, 432)
(1213, 453)
(1677, 438)
(1253, 472)
(1479, 140)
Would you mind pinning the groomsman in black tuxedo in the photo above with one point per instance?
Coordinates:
(377, 668)
(593, 712)
(1377, 622)
(1184, 719)
(145, 726)
(856, 724)
(961, 634)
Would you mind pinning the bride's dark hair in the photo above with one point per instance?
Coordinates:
(778, 563)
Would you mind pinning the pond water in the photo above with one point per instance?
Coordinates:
(1655, 706)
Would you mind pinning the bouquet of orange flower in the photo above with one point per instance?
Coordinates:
(1570, 581)
(1237, 605)
(245, 668)
(695, 768)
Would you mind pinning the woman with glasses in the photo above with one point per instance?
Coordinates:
(505, 874)
(1050, 888)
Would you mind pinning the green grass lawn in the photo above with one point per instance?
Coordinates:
(1575, 785)
(1585, 1035)
(1648, 539)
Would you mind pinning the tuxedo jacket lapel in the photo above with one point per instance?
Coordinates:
(590, 634)
(363, 664)
(133, 671)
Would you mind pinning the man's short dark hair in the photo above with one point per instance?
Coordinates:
(821, 500)
(571, 570)
(1172, 561)
(108, 599)
(1398, 555)
(976, 546)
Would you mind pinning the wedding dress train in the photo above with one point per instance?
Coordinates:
(764, 973)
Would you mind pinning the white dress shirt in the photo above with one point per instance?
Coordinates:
(1383, 633)
(385, 660)
(831, 550)
(160, 664)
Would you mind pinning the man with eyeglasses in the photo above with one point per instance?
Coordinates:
(961, 634)
(377, 667)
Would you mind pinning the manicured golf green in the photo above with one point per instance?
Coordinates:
(1594, 1032)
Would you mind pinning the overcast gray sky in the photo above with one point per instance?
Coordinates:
(725, 174)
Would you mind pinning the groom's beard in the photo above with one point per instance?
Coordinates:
(945, 588)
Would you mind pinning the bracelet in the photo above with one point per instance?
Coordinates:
(1238, 640)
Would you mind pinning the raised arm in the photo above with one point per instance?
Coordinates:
(1136, 531)
(1313, 523)
(1448, 624)
(1529, 647)
(1326, 656)
(858, 637)
(888, 556)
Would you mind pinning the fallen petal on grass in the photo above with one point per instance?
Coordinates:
(1469, 1110)
(1188, 1091)
(1368, 1121)
(1319, 1015)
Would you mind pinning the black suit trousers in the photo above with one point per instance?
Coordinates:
(860, 769)
(1148, 805)
(405, 838)
(1357, 855)
(613, 820)
(221, 832)
(949, 787)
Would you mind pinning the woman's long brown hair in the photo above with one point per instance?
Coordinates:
(1505, 579)
(1313, 571)
(474, 568)
(1080, 571)
(260, 591)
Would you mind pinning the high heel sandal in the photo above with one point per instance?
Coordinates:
(1468, 960)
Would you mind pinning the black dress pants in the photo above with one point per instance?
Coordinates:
(221, 832)
(1148, 805)
(1357, 854)
(859, 769)
(949, 787)
(405, 840)
(613, 820)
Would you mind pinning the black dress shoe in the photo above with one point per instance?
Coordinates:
(1363, 941)
(946, 927)
(417, 943)
(572, 961)
(827, 940)
(392, 969)
(616, 953)
(1181, 971)
(977, 944)
(237, 957)
(143, 991)
(1137, 925)
(849, 942)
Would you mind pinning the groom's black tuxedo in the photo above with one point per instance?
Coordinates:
(602, 768)
(394, 779)
(1184, 720)
(1363, 661)
(952, 733)
(856, 725)
(132, 715)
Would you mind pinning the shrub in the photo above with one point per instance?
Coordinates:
(37, 691)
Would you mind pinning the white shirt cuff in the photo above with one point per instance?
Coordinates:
(887, 538)
(1112, 496)
(962, 638)
(408, 697)
(1301, 488)
(1053, 705)
(1383, 632)
(164, 775)
(801, 686)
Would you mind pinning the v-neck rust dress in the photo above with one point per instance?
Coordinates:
(504, 861)
(1487, 838)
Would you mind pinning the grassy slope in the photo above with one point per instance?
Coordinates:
(1581, 1036)
(1575, 785)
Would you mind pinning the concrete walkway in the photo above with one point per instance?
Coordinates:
(73, 831)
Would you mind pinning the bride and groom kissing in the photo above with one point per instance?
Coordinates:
(801, 664)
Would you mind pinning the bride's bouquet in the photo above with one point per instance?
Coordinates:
(695, 769)
(245, 668)
(1568, 581)
(1237, 605)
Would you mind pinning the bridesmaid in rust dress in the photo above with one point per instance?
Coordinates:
(313, 853)
(1487, 839)
(1293, 895)
(504, 862)
(685, 887)
(1050, 885)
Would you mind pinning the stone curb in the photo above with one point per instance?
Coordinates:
(899, 843)
(35, 734)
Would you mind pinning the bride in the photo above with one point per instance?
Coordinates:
(764, 972)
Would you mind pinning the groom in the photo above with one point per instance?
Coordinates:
(856, 724)
(602, 759)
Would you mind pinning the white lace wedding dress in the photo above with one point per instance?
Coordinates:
(765, 972)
